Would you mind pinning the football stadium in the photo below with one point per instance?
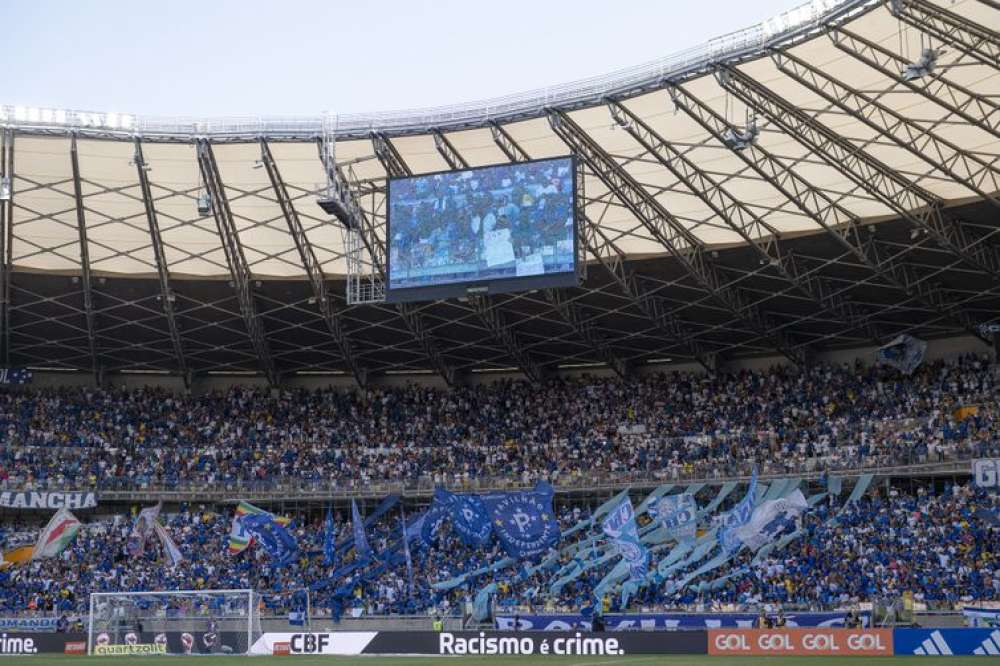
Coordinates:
(691, 362)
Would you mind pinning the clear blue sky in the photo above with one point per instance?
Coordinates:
(236, 57)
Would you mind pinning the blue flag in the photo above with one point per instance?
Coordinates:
(469, 517)
(272, 536)
(524, 522)
(737, 517)
(433, 518)
(415, 527)
(361, 547)
(619, 525)
(15, 376)
(329, 541)
(406, 548)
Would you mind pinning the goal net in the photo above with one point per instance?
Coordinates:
(172, 622)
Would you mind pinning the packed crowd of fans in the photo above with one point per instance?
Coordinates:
(941, 547)
(665, 426)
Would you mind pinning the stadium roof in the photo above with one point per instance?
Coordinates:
(865, 205)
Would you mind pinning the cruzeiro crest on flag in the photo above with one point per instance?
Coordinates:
(523, 521)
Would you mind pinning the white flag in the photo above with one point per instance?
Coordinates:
(142, 528)
(170, 548)
(771, 519)
(56, 535)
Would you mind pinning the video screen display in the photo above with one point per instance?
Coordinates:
(492, 229)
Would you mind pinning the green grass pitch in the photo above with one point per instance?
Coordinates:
(644, 660)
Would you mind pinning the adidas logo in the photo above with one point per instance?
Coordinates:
(991, 645)
(933, 645)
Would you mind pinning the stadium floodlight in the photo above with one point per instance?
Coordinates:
(922, 66)
(5, 188)
(204, 204)
(137, 161)
(333, 202)
(741, 139)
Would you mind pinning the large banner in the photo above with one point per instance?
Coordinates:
(986, 472)
(947, 642)
(648, 621)
(976, 617)
(32, 644)
(45, 500)
(812, 641)
(28, 623)
(482, 643)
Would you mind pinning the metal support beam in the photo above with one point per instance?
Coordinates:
(511, 148)
(167, 297)
(965, 167)
(613, 260)
(491, 316)
(484, 305)
(674, 236)
(642, 297)
(448, 151)
(840, 224)
(751, 227)
(6, 238)
(394, 167)
(85, 279)
(575, 317)
(239, 270)
(566, 307)
(311, 265)
(970, 106)
(388, 156)
(912, 203)
(973, 39)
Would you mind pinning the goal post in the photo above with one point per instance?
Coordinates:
(201, 622)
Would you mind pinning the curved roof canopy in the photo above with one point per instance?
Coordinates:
(862, 205)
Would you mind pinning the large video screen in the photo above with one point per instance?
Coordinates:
(492, 229)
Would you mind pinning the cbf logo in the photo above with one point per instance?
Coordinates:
(309, 643)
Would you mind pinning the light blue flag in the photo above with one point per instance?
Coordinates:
(737, 517)
(619, 525)
(361, 547)
(679, 515)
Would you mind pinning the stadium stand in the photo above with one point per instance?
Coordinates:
(732, 407)
(570, 432)
(891, 540)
